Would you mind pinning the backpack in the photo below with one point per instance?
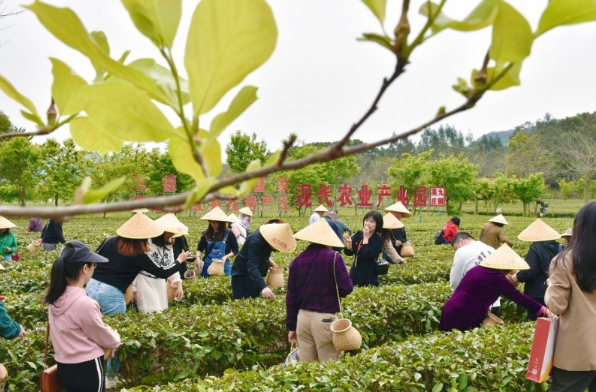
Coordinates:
(439, 240)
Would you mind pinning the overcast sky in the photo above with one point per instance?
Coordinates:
(320, 79)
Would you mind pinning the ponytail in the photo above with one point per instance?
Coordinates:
(61, 273)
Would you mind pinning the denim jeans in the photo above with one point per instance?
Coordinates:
(49, 247)
(7, 257)
(109, 298)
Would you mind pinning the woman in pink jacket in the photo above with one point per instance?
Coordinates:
(78, 333)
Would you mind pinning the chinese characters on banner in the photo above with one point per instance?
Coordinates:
(420, 197)
(303, 193)
(232, 205)
(251, 202)
(259, 185)
(402, 195)
(169, 183)
(324, 192)
(345, 195)
(437, 197)
(384, 191)
(282, 199)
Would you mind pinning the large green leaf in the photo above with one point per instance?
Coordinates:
(65, 25)
(512, 36)
(211, 150)
(199, 191)
(12, 93)
(245, 97)
(162, 77)
(91, 138)
(227, 40)
(510, 79)
(95, 195)
(382, 40)
(156, 19)
(122, 110)
(181, 153)
(566, 12)
(378, 8)
(66, 87)
(481, 17)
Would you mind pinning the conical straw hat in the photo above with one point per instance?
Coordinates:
(391, 222)
(140, 226)
(170, 223)
(568, 233)
(499, 219)
(232, 218)
(321, 208)
(215, 214)
(2, 268)
(320, 233)
(246, 211)
(140, 210)
(5, 223)
(505, 258)
(279, 236)
(398, 207)
(539, 231)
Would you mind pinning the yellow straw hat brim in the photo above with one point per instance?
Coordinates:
(170, 223)
(246, 211)
(391, 222)
(568, 233)
(539, 231)
(505, 258)
(320, 233)
(215, 214)
(499, 219)
(5, 223)
(140, 226)
(399, 207)
(2, 268)
(279, 236)
(232, 218)
(321, 208)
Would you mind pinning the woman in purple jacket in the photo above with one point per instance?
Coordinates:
(480, 288)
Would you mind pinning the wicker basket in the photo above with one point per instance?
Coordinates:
(407, 250)
(190, 274)
(216, 267)
(345, 337)
(128, 295)
(491, 320)
(171, 291)
(3, 375)
(33, 247)
(275, 278)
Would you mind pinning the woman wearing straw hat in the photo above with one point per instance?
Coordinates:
(480, 288)
(318, 278)
(567, 236)
(492, 233)
(253, 262)
(216, 242)
(317, 214)
(571, 294)
(151, 291)
(78, 332)
(391, 223)
(127, 255)
(399, 211)
(8, 242)
(541, 252)
(241, 228)
(367, 245)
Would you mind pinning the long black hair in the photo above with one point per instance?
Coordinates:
(376, 215)
(61, 273)
(583, 248)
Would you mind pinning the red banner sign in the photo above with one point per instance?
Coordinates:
(437, 196)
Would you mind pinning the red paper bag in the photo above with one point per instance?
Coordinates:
(543, 349)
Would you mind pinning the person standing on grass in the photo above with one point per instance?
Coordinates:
(366, 245)
(492, 233)
(8, 242)
(400, 212)
(317, 214)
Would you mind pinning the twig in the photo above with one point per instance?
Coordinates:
(287, 145)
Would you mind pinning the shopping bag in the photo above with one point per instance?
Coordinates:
(543, 349)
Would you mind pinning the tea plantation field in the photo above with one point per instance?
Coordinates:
(208, 342)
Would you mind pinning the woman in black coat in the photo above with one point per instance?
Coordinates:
(367, 245)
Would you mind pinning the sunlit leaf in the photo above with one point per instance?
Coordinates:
(162, 77)
(81, 190)
(65, 87)
(199, 191)
(382, 40)
(273, 158)
(86, 135)
(95, 195)
(512, 36)
(226, 41)
(32, 118)
(481, 17)
(141, 121)
(378, 8)
(510, 79)
(182, 157)
(245, 97)
(12, 93)
(156, 19)
(247, 186)
(211, 150)
(566, 12)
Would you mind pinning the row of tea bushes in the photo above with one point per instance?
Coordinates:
(485, 359)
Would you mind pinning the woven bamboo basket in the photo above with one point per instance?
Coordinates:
(407, 250)
(3, 375)
(275, 278)
(491, 320)
(190, 274)
(128, 295)
(33, 247)
(216, 267)
(171, 291)
(345, 336)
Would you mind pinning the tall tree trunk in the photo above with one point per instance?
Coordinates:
(476, 208)
(56, 196)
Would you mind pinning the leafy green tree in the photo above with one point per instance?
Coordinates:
(244, 149)
(63, 167)
(411, 171)
(579, 149)
(5, 123)
(446, 140)
(530, 189)
(161, 165)
(20, 170)
(457, 175)
(567, 188)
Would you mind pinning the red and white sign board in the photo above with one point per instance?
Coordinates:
(543, 349)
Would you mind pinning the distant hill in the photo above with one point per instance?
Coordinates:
(502, 135)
